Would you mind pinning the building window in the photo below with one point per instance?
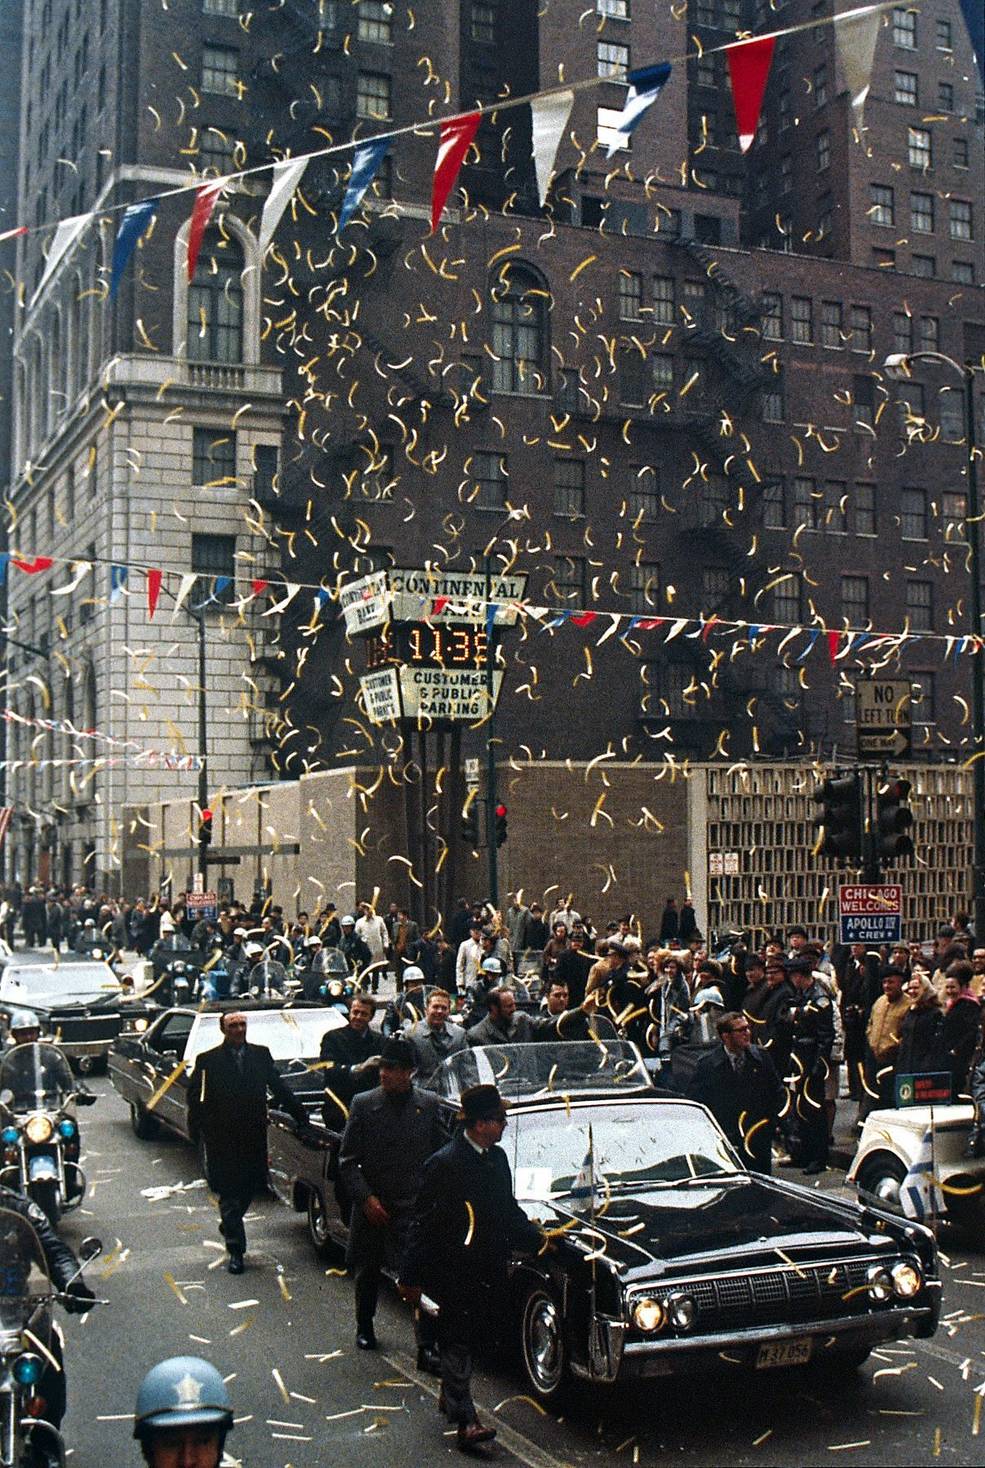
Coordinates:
(630, 295)
(836, 507)
(822, 149)
(375, 21)
(950, 405)
(643, 498)
(569, 581)
(861, 329)
(220, 70)
(213, 457)
(919, 149)
(221, 7)
(910, 406)
(924, 265)
(519, 333)
(945, 97)
(668, 691)
(855, 600)
(962, 272)
(483, 22)
(922, 213)
(373, 96)
(905, 88)
(663, 300)
(954, 508)
(773, 407)
(607, 130)
(489, 476)
(943, 35)
(215, 302)
(802, 320)
(568, 393)
(864, 509)
(716, 582)
(614, 9)
(959, 152)
(902, 332)
(662, 372)
(929, 333)
(831, 324)
(785, 598)
(377, 478)
(905, 29)
(772, 316)
(569, 488)
(612, 60)
(922, 698)
(214, 558)
(882, 209)
(820, 85)
(805, 504)
(632, 378)
(644, 586)
(913, 514)
(960, 219)
(783, 110)
(774, 505)
(863, 401)
(920, 605)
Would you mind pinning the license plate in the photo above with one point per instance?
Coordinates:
(784, 1353)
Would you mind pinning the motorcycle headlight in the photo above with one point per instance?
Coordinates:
(880, 1283)
(38, 1128)
(9, 1135)
(907, 1279)
(648, 1315)
(66, 1128)
(682, 1312)
(27, 1369)
(177, 968)
(140, 1025)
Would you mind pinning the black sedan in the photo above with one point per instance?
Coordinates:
(669, 1256)
(82, 1006)
(151, 1070)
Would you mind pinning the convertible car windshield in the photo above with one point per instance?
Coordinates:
(632, 1146)
(524, 1071)
(48, 983)
(289, 1034)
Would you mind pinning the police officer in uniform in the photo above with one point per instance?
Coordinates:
(183, 1414)
(809, 1022)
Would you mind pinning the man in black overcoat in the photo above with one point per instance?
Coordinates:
(465, 1226)
(391, 1132)
(227, 1110)
(741, 1089)
(350, 1057)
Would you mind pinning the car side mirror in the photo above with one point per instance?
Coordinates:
(90, 1248)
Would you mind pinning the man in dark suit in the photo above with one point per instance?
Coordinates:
(465, 1226)
(350, 1056)
(391, 1132)
(742, 1091)
(227, 1110)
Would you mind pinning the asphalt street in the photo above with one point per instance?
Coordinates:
(306, 1398)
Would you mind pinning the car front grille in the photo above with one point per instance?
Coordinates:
(780, 1296)
(70, 1028)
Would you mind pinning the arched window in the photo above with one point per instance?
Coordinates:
(519, 314)
(89, 702)
(215, 302)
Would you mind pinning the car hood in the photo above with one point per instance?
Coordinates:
(668, 1229)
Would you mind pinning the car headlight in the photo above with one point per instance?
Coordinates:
(880, 1283)
(682, 1312)
(66, 1128)
(907, 1279)
(9, 1135)
(38, 1128)
(648, 1315)
(140, 1025)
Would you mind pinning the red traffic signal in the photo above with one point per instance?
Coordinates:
(205, 828)
(501, 826)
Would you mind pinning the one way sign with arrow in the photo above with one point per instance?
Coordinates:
(884, 714)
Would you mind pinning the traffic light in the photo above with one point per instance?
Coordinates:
(205, 829)
(470, 824)
(501, 831)
(893, 821)
(839, 819)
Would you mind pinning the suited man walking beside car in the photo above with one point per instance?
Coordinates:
(227, 1111)
(741, 1089)
(391, 1132)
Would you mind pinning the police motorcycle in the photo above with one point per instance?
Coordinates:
(39, 1134)
(328, 981)
(32, 1391)
(90, 944)
(176, 969)
(270, 979)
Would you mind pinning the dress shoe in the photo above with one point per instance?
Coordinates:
(236, 1265)
(813, 1168)
(366, 1340)
(472, 1435)
(428, 1360)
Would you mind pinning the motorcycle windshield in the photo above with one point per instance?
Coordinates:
(269, 974)
(35, 1078)
(25, 1286)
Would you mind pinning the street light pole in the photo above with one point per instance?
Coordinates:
(492, 798)
(203, 776)
(898, 365)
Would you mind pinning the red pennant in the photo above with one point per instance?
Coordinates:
(646, 624)
(438, 605)
(10, 234)
(706, 629)
(205, 201)
(584, 619)
(259, 586)
(834, 645)
(456, 136)
(749, 66)
(154, 578)
(40, 563)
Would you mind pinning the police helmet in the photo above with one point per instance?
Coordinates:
(253, 950)
(183, 1391)
(23, 1019)
(413, 976)
(492, 966)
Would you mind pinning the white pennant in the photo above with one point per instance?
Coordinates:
(550, 117)
(66, 234)
(293, 587)
(855, 45)
(187, 582)
(286, 177)
(80, 569)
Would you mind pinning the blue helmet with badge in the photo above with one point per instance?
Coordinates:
(183, 1391)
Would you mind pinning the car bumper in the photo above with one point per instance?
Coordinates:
(732, 1349)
